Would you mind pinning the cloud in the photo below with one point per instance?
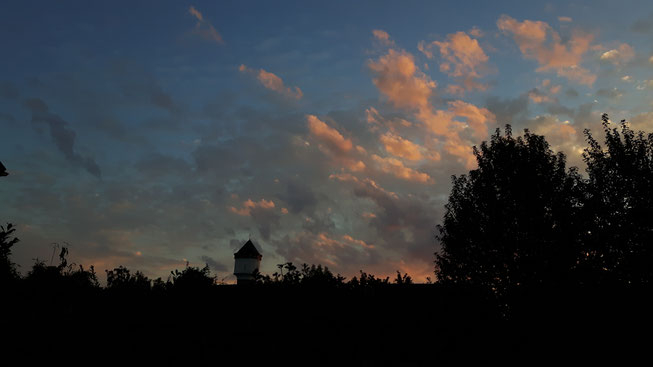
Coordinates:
(273, 82)
(538, 96)
(538, 41)
(564, 19)
(396, 168)
(400, 147)
(62, 135)
(508, 111)
(214, 265)
(462, 57)
(477, 117)
(339, 253)
(249, 205)
(332, 143)
(621, 55)
(400, 80)
(397, 77)
(299, 196)
(383, 37)
(204, 28)
(328, 136)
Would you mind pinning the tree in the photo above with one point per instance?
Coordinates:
(7, 267)
(511, 222)
(619, 205)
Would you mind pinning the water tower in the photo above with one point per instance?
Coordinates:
(248, 260)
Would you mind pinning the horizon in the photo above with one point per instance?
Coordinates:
(150, 137)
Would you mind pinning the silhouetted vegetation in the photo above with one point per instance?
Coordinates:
(618, 206)
(522, 220)
(8, 271)
(537, 260)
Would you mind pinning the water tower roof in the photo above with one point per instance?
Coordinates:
(248, 251)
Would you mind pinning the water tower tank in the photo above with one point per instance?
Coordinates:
(247, 262)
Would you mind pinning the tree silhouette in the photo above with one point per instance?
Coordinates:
(510, 223)
(7, 267)
(618, 210)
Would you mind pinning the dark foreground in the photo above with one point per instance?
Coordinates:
(399, 325)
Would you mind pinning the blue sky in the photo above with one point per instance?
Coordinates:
(148, 134)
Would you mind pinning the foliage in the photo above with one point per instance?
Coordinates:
(121, 279)
(63, 276)
(618, 208)
(511, 222)
(193, 278)
(7, 267)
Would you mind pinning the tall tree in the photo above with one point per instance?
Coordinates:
(511, 221)
(619, 205)
(7, 267)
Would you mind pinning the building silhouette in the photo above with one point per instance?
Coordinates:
(247, 262)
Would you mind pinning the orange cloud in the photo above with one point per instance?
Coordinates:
(354, 241)
(399, 79)
(273, 82)
(537, 96)
(334, 144)
(538, 41)
(383, 37)
(248, 205)
(401, 147)
(462, 57)
(204, 28)
(367, 184)
(477, 118)
(396, 167)
(328, 135)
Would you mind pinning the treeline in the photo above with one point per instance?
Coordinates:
(523, 221)
(67, 275)
(298, 315)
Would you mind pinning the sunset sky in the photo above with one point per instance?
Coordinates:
(149, 134)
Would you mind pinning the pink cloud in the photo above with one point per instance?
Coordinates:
(248, 205)
(273, 82)
(339, 148)
(383, 37)
(477, 117)
(538, 41)
(462, 57)
(400, 147)
(399, 79)
(396, 168)
(328, 135)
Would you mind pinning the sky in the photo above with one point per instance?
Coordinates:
(154, 134)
